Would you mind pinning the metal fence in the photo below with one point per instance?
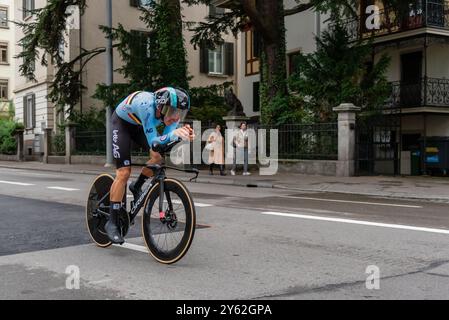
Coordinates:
(295, 141)
(93, 143)
(420, 13)
(305, 141)
(90, 143)
(427, 92)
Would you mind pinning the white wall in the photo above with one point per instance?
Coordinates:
(198, 13)
(44, 114)
(8, 36)
(301, 29)
(437, 125)
(437, 61)
(245, 83)
(44, 111)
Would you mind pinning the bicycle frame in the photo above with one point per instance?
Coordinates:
(160, 177)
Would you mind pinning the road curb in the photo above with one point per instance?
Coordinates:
(251, 184)
(375, 194)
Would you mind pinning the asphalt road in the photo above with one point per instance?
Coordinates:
(258, 244)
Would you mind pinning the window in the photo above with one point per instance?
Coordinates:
(27, 7)
(29, 111)
(3, 17)
(141, 47)
(219, 61)
(215, 11)
(251, 53)
(293, 62)
(3, 53)
(3, 90)
(216, 60)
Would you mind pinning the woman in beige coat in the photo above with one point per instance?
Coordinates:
(216, 154)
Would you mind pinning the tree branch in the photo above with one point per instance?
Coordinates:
(259, 21)
(299, 8)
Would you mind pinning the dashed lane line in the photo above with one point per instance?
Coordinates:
(63, 189)
(358, 222)
(17, 183)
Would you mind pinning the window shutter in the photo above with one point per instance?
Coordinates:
(204, 59)
(256, 44)
(229, 60)
(215, 11)
(33, 113)
(256, 96)
(212, 11)
(32, 4)
(25, 112)
(134, 3)
(24, 6)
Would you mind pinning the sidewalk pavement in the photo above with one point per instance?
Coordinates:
(417, 188)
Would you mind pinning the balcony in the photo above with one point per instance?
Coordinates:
(428, 92)
(420, 14)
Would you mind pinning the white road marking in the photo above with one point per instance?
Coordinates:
(365, 223)
(134, 247)
(63, 189)
(17, 183)
(357, 202)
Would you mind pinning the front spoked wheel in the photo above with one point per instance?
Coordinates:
(169, 234)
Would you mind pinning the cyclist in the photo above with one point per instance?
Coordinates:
(137, 118)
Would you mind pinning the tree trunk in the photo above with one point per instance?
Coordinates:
(171, 42)
(274, 102)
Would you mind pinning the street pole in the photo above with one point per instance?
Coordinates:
(109, 80)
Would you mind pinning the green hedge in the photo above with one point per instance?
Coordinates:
(8, 144)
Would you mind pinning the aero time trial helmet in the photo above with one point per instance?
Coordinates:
(173, 102)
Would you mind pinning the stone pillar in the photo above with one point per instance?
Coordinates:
(19, 139)
(346, 139)
(47, 144)
(69, 142)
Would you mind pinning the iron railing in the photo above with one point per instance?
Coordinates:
(420, 13)
(428, 92)
(94, 143)
(90, 143)
(295, 141)
(305, 141)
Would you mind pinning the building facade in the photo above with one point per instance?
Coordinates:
(206, 67)
(7, 52)
(417, 111)
(416, 115)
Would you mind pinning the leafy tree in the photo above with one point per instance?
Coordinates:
(208, 103)
(340, 71)
(166, 64)
(267, 18)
